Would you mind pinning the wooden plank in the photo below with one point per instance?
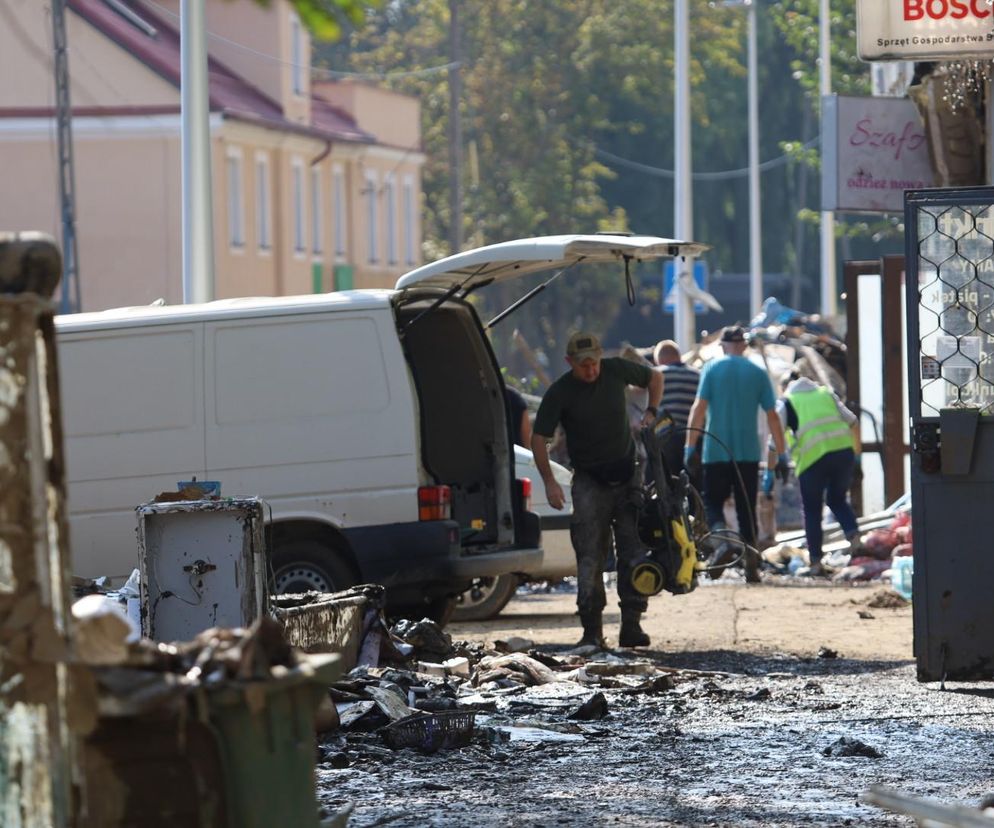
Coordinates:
(892, 326)
(851, 271)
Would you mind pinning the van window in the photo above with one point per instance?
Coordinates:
(310, 369)
(143, 383)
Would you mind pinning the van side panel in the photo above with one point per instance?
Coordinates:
(305, 411)
(132, 410)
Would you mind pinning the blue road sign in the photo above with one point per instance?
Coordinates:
(700, 278)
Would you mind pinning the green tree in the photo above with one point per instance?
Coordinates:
(554, 93)
(328, 19)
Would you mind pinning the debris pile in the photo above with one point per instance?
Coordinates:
(874, 556)
(431, 693)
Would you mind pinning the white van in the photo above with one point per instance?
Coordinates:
(372, 422)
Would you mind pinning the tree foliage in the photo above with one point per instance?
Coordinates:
(555, 93)
(328, 19)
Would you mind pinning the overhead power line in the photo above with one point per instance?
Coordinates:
(718, 175)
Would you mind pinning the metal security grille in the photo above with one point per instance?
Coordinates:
(955, 268)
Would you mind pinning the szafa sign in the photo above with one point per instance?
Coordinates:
(924, 29)
(874, 149)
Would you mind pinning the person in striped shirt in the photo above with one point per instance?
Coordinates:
(679, 390)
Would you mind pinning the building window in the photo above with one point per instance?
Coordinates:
(409, 256)
(317, 231)
(299, 242)
(262, 199)
(390, 205)
(296, 55)
(372, 234)
(236, 205)
(338, 210)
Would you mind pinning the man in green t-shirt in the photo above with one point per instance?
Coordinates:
(589, 401)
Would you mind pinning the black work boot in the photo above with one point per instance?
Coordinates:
(750, 562)
(593, 632)
(632, 634)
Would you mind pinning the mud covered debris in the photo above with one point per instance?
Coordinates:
(846, 746)
(886, 599)
(728, 752)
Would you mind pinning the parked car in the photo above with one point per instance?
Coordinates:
(488, 596)
(372, 422)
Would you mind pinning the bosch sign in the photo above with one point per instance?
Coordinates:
(924, 29)
(940, 9)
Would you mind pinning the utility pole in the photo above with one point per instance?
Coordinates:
(198, 213)
(755, 216)
(455, 129)
(683, 195)
(67, 176)
(828, 289)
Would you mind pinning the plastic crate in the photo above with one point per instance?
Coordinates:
(431, 732)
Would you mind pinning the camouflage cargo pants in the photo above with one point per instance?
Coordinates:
(598, 511)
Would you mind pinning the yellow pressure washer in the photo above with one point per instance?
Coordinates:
(665, 525)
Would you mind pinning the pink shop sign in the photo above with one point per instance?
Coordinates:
(874, 149)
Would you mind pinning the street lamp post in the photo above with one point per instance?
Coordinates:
(755, 211)
(827, 216)
(195, 154)
(755, 216)
(683, 196)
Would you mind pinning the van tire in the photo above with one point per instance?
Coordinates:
(486, 598)
(307, 565)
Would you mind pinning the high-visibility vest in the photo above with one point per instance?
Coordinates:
(820, 429)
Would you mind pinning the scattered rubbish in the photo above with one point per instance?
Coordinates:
(426, 637)
(103, 630)
(585, 650)
(362, 716)
(928, 811)
(847, 746)
(592, 709)
(518, 666)
(514, 644)
(866, 615)
(827, 652)
(758, 695)
(862, 569)
(431, 733)
(390, 702)
(886, 599)
(619, 668)
(338, 622)
(537, 732)
(902, 573)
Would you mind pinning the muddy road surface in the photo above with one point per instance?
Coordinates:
(772, 704)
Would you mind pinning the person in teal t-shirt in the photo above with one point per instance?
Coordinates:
(731, 392)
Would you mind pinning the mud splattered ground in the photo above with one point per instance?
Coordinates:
(743, 747)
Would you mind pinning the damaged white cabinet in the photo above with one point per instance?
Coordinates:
(203, 565)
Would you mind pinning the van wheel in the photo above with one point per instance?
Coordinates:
(485, 598)
(306, 566)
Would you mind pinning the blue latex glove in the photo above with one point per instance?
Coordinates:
(859, 461)
(782, 469)
(688, 454)
(768, 481)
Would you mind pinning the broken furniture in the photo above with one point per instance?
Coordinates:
(203, 564)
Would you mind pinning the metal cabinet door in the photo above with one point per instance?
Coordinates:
(949, 234)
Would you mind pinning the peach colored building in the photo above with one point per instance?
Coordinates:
(316, 183)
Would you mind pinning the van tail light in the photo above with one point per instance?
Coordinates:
(525, 488)
(434, 503)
